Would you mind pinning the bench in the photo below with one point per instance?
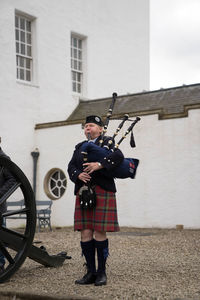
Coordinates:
(43, 214)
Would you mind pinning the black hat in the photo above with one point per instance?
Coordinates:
(94, 119)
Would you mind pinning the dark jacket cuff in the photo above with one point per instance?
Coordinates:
(113, 160)
(74, 175)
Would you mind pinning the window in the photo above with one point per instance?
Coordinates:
(23, 38)
(55, 183)
(77, 64)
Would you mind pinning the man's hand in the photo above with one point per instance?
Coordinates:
(92, 166)
(85, 177)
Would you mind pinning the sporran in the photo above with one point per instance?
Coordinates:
(87, 197)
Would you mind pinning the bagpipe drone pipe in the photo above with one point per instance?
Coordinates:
(96, 153)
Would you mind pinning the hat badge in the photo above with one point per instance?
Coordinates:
(97, 119)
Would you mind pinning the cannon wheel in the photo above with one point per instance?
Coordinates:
(15, 243)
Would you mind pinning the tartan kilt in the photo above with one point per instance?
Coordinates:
(101, 218)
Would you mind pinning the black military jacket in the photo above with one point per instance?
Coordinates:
(109, 162)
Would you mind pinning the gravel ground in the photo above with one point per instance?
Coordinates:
(143, 264)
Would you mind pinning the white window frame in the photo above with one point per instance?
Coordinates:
(77, 63)
(24, 47)
(55, 183)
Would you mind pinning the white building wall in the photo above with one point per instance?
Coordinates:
(117, 58)
(166, 189)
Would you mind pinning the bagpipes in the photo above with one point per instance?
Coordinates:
(96, 153)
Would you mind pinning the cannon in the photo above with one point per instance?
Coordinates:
(17, 243)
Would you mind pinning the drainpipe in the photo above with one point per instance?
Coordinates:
(35, 154)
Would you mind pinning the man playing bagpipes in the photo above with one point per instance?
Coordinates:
(95, 208)
(128, 167)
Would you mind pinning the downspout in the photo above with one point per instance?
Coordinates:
(35, 154)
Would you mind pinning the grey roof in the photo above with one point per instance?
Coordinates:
(167, 103)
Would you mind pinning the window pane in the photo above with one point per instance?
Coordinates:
(28, 25)
(16, 21)
(75, 42)
(75, 65)
(74, 76)
(17, 47)
(80, 44)
(28, 75)
(21, 61)
(17, 34)
(17, 73)
(22, 33)
(62, 190)
(75, 53)
(80, 54)
(55, 175)
(28, 38)
(56, 192)
(80, 66)
(22, 23)
(28, 50)
(78, 77)
(28, 63)
(22, 74)
(22, 49)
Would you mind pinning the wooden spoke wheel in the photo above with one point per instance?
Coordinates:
(17, 225)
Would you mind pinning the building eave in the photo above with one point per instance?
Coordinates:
(166, 103)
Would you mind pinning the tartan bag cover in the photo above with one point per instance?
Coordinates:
(103, 217)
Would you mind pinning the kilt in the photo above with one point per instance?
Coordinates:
(101, 218)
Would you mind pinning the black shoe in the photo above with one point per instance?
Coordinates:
(101, 279)
(88, 278)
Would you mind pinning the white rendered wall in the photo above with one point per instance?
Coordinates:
(166, 189)
(117, 59)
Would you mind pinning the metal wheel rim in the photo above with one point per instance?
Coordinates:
(22, 240)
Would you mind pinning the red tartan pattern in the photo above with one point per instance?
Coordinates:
(101, 218)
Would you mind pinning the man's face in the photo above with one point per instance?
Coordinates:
(93, 129)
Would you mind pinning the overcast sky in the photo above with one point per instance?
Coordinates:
(174, 43)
